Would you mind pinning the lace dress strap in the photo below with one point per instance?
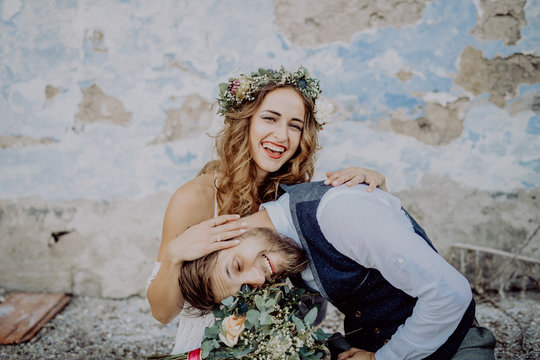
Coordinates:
(216, 211)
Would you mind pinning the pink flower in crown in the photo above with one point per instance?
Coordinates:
(234, 85)
(240, 87)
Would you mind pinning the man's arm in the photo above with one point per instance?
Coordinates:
(374, 231)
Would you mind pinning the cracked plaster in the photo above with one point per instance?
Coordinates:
(500, 19)
(312, 23)
(96, 106)
(194, 117)
(500, 77)
(7, 141)
(440, 124)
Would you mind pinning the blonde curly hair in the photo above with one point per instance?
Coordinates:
(237, 190)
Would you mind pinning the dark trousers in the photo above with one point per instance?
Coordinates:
(478, 344)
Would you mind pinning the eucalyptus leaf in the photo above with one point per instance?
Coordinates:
(298, 322)
(223, 87)
(240, 352)
(311, 316)
(253, 316)
(259, 302)
(249, 325)
(265, 318)
(206, 346)
(321, 335)
(228, 302)
(308, 353)
(211, 332)
(219, 313)
(270, 303)
(221, 354)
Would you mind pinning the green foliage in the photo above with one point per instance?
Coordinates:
(311, 316)
(273, 326)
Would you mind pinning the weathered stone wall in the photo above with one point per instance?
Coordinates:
(98, 248)
(106, 107)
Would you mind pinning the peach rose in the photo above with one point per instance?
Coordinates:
(231, 328)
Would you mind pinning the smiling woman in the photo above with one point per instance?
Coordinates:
(275, 131)
(269, 137)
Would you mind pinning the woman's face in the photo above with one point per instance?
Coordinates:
(275, 130)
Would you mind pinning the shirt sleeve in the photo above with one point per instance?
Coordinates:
(373, 230)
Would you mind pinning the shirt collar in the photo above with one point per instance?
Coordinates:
(280, 215)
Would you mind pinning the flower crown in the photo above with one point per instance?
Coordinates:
(236, 91)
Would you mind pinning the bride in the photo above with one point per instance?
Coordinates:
(270, 137)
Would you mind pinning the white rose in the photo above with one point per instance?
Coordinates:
(231, 328)
(323, 109)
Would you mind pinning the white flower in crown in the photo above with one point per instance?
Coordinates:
(323, 110)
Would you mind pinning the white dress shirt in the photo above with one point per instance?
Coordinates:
(373, 230)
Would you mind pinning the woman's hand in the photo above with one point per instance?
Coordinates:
(356, 175)
(356, 354)
(204, 238)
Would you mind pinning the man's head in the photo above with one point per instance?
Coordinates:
(262, 255)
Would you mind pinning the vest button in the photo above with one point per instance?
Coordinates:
(358, 314)
(377, 330)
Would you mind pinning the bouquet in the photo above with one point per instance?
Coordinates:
(262, 323)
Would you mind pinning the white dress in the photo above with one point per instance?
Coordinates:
(190, 327)
(191, 331)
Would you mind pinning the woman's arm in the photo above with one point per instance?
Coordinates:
(356, 175)
(186, 237)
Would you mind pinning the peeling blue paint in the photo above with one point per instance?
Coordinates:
(179, 159)
(533, 127)
(44, 45)
(394, 101)
(532, 163)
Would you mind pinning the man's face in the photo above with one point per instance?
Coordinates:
(253, 262)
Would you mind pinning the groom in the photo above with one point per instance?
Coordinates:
(370, 259)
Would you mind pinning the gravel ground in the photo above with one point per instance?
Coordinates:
(95, 328)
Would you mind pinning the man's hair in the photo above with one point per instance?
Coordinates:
(196, 276)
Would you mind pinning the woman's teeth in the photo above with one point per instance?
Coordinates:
(274, 147)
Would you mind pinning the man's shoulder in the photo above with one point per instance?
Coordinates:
(306, 191)
(301, 186)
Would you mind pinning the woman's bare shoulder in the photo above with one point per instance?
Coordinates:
(195, 196)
